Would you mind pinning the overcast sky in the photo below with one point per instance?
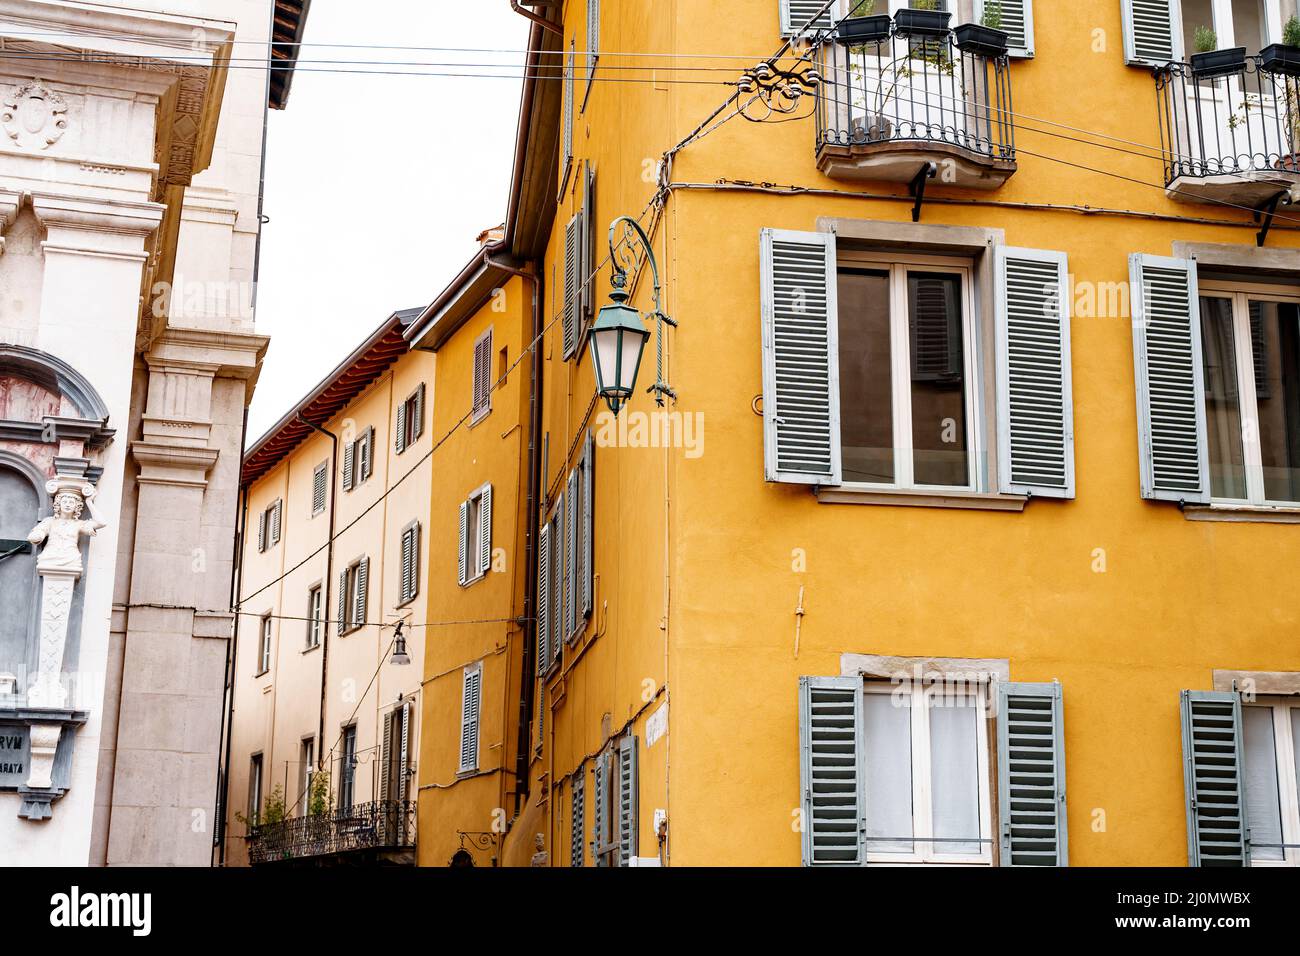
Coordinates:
(376, 186)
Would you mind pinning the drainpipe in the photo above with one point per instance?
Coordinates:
(232, 646)
(541, 21)
(533, 511)
(325, 586)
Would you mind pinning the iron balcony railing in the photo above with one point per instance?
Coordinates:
(924, 91)
(1242, 123)
(387, 825)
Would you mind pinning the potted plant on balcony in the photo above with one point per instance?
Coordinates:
(863, 25)
(986, 38)
(924, 19)
(1283, 57)
(1208, 61)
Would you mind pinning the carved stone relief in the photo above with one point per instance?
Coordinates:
(33, 116)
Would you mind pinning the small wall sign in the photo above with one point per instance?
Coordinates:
(15, 755)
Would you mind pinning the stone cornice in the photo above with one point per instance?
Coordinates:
(97, 215)
(226, 353)
(164, 464)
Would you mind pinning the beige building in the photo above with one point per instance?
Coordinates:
(335, 527)
(129, 207)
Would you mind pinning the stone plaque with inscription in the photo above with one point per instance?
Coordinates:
(15, 754)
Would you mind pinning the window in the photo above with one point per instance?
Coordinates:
(474, 553)
(255, 790)
(410, 420)
(566, 122)
(1250, 341)
(482, 377)
(358, 459)
(307, 758)
(314, 611)
(1234, 22)
(348, 768)
(1017, 21)
(1271, 731)
(550, 578)
(471, 696)
(409, 579)
(1157, 31)
(795, 13)
(580, 267)
(395, 759)
(616, 793)
(264, 645)
(354, 583)
(593, 45)
(578, 817)
(319, 488)
(268, 525)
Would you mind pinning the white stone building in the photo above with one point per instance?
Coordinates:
(130, 171)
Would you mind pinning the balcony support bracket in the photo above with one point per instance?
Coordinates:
(1266, 213)
(917, 188)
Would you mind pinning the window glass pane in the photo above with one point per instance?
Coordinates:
(954, 773)
(1263, 809)
(938, 379)
(1275, 345)
(866, 391)
(1248, 26)
(1222, 400)
(1196, 13)
(889, 771)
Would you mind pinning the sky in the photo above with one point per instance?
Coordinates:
(377, 186)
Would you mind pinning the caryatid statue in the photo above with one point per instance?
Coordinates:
(59, 566)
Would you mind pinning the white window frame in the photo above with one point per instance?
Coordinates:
(1288, 786)
(901, 367)
(256, 767)
(473, 555)
(924, 853)
(1240, 294)
(307, 750)
(264, 644)
(315, 608)
(1225, 30)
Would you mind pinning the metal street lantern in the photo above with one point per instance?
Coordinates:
(399, 647)
(619, 334)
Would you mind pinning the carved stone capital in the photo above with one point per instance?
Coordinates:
(163, 464)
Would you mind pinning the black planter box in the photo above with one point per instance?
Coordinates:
(921, 23)
(981, 40)
(1219, 62)
(1280, 58)
(856, 30)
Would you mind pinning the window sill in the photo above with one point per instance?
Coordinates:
(968, 500)
(407, 601)
(309, 648)
(478, 416)
(474, 580)
(1265, 514)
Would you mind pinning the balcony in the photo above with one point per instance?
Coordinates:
(886, 110)
(367, 833)
(1228, 138)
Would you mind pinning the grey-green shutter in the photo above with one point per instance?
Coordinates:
(586, 575)
(363, 580)
(577, 818)
(572, 283)
(386, 758)
(318, 480)
(801, 392)
(832, 768)
(628, 800)
(543, 598)
(1214, 767)
(462, 546)
(349, 464)
(588, 240)
(276, 510)
(570, 555)
(399, 442)
(593, 38)
(541, 715)
(368, 457)
(485, 531)
(261, 531)
(344, 601)
(1035, 400)
(418, 428)
(599, 836)
(795, 14)
(1151, 32)
(1172, 447)
(566, 122)
(1031, 775)
(404, 757)
(471, 689)
(1017, 23)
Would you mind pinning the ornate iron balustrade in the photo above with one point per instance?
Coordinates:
(1230, 137)
(915, 95)
(387, 825)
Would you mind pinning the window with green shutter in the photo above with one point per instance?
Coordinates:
(1218, 831)
(1031, 775)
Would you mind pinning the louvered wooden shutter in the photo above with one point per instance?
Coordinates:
(261, 531)
(543, 598)
(593, 37)
(410, 559)
(369, 459)
(418, 428)
(386, 759)
(599, 836)
(541, 715)
(586, 582)
(1151, 32)
(832, 771)
(485, 531)
(276, 510)
(577, 817)
(589, 247)
(801, 395)
(318, 479)
(344, 601)
(1017, 22)
(628, 800)
(469, 714)
(1173, 450)
(349, 459)
(363, 579)
(566, 158)
(1035, 402)
(1031, 775)
(462, 545)
(796, 13)
(556, 613)
(404, 755)
(570, 555)
(482, 385)
(572, 283)
(399, 440)
(1214, 767)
